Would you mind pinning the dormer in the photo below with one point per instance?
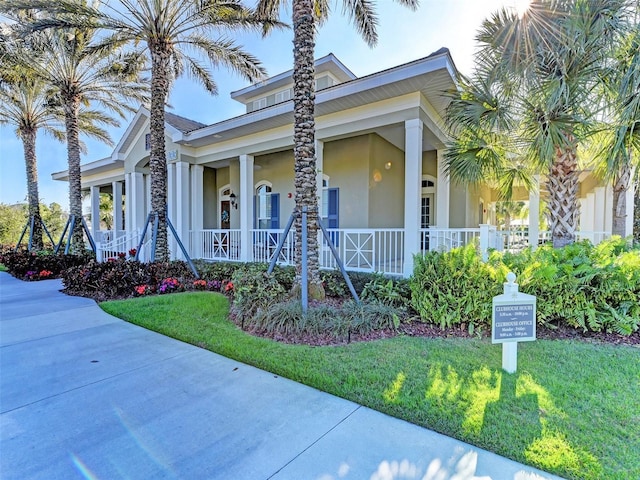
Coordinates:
(329, 71)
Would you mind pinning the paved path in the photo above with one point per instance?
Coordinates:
(84, 395)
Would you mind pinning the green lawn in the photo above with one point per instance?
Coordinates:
(3, 268)
(572, 408)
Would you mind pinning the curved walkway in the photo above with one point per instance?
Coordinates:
(86, 395)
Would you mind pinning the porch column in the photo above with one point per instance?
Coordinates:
(197, 210)
(630, 207)
(134, 205)
(95, 213)
(412, 191)
(589, 214)
(116, 189)
(147, 194)
(182, 205)
(171, 206)
(534, 212)
(246, 207)
(608, 209)
(599, 208)
(443, 185)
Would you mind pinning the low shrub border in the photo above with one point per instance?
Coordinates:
(43, 265)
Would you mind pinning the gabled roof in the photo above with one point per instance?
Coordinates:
(328, 63)
(183, 124)
(432, 75)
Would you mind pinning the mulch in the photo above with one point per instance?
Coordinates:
(415, 328)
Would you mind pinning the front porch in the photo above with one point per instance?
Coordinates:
(379, 250)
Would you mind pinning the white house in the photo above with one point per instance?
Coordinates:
(379, 149)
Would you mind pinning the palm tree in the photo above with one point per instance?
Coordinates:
(24, 103)
(176, 35)
(306, 15)
(622, 151)
(532, 101)
(82, 73)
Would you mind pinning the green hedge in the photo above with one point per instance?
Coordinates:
(593, 288)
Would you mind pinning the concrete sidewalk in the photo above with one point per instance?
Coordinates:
(86, 395)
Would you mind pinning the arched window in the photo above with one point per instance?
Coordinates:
(427, 201)
(266, 206)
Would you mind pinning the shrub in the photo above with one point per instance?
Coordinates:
(254, 289)
(455, 287)
(393, 292)
(336, 286)
(126, 278)
(41, 265)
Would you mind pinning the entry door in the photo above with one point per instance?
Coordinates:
(426, 218)
(225, 215)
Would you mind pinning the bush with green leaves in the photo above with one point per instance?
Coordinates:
(582, 286)
(590, 288)
(333, 322)
(394, 292)
(42, 265)
(455, 287)
(254, 290)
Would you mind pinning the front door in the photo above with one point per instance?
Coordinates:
(225, 215)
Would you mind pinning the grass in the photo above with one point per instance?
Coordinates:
(571, 409)
(3, 268)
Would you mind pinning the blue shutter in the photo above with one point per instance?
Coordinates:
(333, 214)
(275, 211)
(334, 208)
(255, 212)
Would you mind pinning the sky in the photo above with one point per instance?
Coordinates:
(404, 36)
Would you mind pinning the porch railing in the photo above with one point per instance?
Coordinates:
(220, 245)
(265, 243)
(366, 250)
(445, 239)
(121, 245)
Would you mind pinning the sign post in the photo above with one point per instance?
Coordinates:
(513, 321)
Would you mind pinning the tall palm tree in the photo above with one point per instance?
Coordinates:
(622, 152)
(25, 104)
(82, 73)
(307, 14)
(177, 36)
(535, 80)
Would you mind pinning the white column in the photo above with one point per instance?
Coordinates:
(534, 212)
(599, 208)
(95, 213)
(245, 201)
(171, 206)
(116, 189)
(443, 187)
(608, 209)
(589, 215)
(134, 204)
(197, 210)
(147, 193)
(630, 207)
(412, 191)
(182, 205)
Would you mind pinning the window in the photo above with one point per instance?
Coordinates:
(260, 103)
(283, 96)
(147, 141)
(266, 207)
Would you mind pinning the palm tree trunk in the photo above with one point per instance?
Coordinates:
(304, 143)
(160, 55)
(71, 109)
(621, 184)
(562, 185)
(29, 144)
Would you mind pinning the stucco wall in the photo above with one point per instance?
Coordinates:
(210, 177)
(277, 168)
(347, 164)
(386, 185)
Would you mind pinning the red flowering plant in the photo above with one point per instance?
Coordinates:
(200, 284)
(132, 253)
(45, 273)
(169, 285)
(143, 290)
